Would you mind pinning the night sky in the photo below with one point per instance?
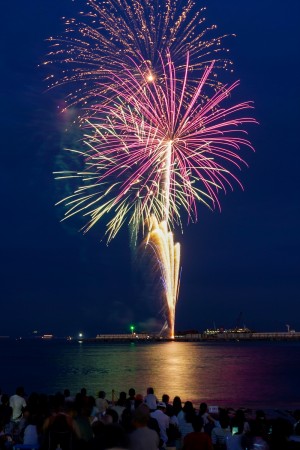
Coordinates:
(240, 266)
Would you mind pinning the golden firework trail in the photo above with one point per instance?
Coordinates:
(167, 256)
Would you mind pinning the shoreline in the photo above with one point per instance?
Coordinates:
(154, 338)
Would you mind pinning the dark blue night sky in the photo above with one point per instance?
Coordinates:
(242, 260)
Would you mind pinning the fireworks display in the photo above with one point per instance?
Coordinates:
(161, 133)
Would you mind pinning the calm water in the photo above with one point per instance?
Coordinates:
(223, 374)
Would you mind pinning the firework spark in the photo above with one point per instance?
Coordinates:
(115, 33)
(157, 151)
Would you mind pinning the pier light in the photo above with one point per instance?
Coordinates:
(132, 328)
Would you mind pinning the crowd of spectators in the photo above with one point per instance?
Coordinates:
(136, 422)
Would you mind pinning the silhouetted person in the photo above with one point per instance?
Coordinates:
(130, 401)
(143, 438)
(185, 419)
(208, 420)
(18, 403)
(220, 434)
(150, 400)
(177, 405)
(256, 438)
(101, 402)
(197, 439)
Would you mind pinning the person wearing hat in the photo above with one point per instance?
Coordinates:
(163, 421)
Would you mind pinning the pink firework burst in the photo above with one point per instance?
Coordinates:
(158, 148)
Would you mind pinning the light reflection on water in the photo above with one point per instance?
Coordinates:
(228, 374)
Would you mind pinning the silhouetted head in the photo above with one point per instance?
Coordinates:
(141, 416)
(188, 406)
(177, 405)
(202, 408)
(131, 392)
(67, 393)
(5, 399)
(189, 412)
(165, 398)
(122, 399)
(20, 391)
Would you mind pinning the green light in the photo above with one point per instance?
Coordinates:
(132, 327)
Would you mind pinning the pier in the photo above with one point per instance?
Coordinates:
(198, 337)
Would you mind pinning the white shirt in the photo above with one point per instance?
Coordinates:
(101, 404)
(163, 422)
(17, 403)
